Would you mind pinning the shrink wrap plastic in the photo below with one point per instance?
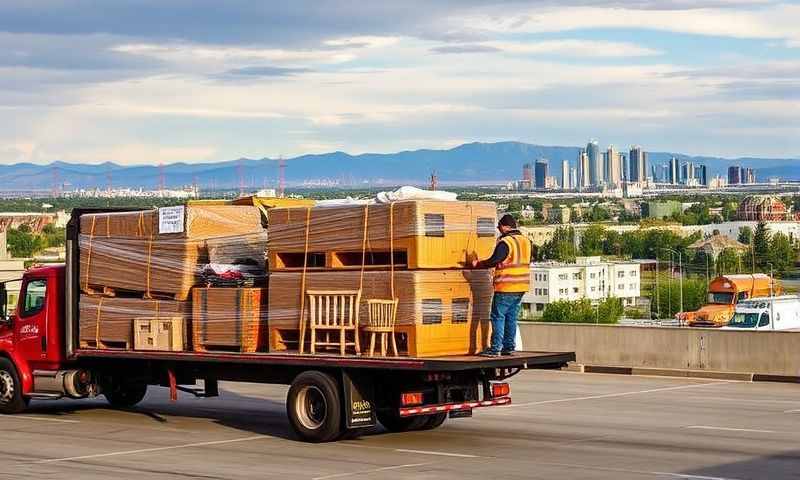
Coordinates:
(141, 252)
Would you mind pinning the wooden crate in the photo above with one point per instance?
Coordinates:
(435, 298)
(126, 252)
(159, 334)
(422, 234)
(107, 322)
(229, 319)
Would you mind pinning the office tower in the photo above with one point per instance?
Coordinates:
(564, 175)
(749, 175)
(734, 175)
(700, 174)
(673, 173)
(613, 171)
(541, 173)
(527, 173)
(654, 173)
(573, 184)
(583, 178)
(687, 173)
(623, 165)
(637, 165)
(595, 163)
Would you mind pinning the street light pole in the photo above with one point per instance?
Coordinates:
(680, 271)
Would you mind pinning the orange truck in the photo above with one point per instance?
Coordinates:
(724, 292)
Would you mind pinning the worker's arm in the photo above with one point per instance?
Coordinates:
(499, 255)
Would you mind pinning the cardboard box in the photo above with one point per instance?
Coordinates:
(428, 234)
(157, 252)
(229, 319)
(107, 322)
(159, 334)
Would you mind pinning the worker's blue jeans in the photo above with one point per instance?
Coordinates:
(505, 307)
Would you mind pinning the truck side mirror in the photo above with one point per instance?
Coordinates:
(4, 318)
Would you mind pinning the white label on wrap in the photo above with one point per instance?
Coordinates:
(170, 219)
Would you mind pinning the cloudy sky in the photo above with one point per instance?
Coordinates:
(152, 81)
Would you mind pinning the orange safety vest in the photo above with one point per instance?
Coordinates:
(513, 275)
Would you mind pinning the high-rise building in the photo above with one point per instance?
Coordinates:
(596, 173)
(673, 172)
(564, 175)
(541, 173)
(748, 175)
(687, 173)
(701, 175)
(613, 172)
(637, 165)
(583, 178)
(573, 184)
(734, 175)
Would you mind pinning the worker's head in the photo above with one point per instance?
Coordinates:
(506, 223)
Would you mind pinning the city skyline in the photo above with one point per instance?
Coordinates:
(151, 82)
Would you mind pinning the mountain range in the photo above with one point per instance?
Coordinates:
(471, 163)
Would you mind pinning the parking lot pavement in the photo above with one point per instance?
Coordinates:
(561, 425)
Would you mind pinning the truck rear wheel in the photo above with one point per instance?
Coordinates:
(434, 421)
(11, 399)
(125, 394)
(314, 407)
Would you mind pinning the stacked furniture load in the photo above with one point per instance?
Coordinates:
(413, 253)
(138, 268)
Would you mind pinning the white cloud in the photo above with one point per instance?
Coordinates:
(576, 48)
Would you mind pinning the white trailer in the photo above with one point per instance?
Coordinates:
(767, 313)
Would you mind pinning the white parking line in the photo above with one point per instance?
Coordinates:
(729, 429)
(41, 419)
(430, 452)
(374, 470)
(614, 395)
(154, 449)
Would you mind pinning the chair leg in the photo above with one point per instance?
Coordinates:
(394, 344)
(357, 340)
(383, 344)
(313, 341)
(371, 344)
(341, 341)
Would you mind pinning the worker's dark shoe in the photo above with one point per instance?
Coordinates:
(507, 353)
(489, 353)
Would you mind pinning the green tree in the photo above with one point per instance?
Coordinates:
(728, 261)
(22, 243)
(745, 235)
(593, 240)
(666, 299)
(761, 244)
(781, 254)
(561, 247)
(582, 311)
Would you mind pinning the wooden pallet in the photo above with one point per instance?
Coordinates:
(105, 345)
(106, 291)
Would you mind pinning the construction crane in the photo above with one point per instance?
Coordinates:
(281, 177)
(434, 181)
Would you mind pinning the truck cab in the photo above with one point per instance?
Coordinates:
(724, 293)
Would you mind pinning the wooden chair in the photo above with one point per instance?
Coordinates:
(381, 321)
(334, 311)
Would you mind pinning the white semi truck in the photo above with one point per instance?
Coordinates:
(767, 313)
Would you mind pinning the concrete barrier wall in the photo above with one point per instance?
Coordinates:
(767, 353)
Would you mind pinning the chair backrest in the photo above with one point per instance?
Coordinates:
(382, 313)
(333, 307)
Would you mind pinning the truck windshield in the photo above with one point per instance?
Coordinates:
(744, 320)
(720, 297)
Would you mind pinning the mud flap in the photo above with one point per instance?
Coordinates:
(359, 400)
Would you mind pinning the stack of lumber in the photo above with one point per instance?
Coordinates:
(413, 250)
(229, 319)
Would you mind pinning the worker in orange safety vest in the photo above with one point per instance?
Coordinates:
(511, 262)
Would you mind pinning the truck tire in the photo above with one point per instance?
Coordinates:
(434, 421)
(395, 423)
(11, 399)
(314, 407)
(125, 394)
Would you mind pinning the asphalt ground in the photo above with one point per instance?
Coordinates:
(562, 425)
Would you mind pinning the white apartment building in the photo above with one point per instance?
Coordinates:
(588, 277)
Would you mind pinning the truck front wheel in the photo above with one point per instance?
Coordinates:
(125, 395)
(314, 407)
(11, 399)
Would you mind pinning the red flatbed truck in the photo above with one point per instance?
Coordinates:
(330, 396)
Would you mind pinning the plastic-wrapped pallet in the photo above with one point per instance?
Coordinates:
(431, 234)
(158, 252)
(107, 322)
(440, 312)
(229, 319)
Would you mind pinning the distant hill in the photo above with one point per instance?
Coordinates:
(476, 163)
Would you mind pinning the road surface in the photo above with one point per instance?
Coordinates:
(562, 425)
